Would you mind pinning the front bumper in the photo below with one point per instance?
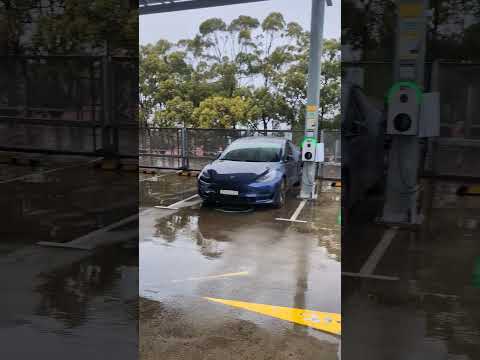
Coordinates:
(251, 194)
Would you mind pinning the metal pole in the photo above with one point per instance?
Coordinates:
(106, 115)
(184, 149)
(313, 93)
(402, 178)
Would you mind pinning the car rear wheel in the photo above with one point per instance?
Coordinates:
(281, 195)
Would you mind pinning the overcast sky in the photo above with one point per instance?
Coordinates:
(184, 24)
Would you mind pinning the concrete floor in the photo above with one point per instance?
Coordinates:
(60, 302)
(431, 311)
(183, 253)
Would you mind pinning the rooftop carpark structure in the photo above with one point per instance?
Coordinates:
(313, 92)
(228, 238)
(160, 6)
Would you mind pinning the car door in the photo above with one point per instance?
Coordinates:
(297, 154)
(290, 164)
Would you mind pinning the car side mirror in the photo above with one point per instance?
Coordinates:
(218, 155)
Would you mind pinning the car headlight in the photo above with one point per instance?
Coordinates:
(269, 176)
(204, 176)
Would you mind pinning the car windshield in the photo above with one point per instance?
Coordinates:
(253, 152)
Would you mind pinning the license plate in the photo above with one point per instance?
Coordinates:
(229, 192)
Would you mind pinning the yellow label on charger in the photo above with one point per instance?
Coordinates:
(410, 10)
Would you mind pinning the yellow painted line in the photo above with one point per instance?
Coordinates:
(327, 322)
(242, 273)
(473, 189)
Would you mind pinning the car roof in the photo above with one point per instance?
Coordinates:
(270, 139)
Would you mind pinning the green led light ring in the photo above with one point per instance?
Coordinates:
(314, 141)
(409, 84)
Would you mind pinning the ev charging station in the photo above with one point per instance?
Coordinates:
(308, 191)
(312, 151)
(412, 114)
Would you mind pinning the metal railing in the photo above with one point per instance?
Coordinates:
(192, 149)
(69, 104)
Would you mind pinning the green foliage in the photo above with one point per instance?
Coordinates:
(177, 112)
(223, 112)
(85, 25)
(331, 80)
(243, 74)
(273, 22)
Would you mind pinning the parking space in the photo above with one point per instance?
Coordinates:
(61, 200)
(164, 188)
(68, 292)
(420, 300)
(223, 284)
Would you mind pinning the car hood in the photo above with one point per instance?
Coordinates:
(241, 171)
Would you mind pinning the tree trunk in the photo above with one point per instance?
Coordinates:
(265, 124)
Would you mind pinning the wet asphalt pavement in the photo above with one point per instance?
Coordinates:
(199, 252)
(66, 303)
(431, 311)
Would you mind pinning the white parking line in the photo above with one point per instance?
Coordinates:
(175, 206)
(369, 267)
(295, 214)
(90, 240)
(371, 276)
(376, 255)
(156, 177)
(47, 171)
(212, 277)
(299, 210)
(148, 179)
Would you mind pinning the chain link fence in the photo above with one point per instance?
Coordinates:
(69, 104)
(192, 149)
(160, 148)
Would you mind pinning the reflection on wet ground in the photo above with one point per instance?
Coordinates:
(164, 189)
(66, 303)
(201, 252)
(79, 306)
(432, 312)
(61, 205)
(69, 294)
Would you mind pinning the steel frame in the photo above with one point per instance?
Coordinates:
(146, 7)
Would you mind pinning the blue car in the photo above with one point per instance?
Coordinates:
(252, 171)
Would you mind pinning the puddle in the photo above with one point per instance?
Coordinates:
(201, 241)
(93, 290)
(436, 299)
(202, 252)
(63, 205)
(166, 190)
